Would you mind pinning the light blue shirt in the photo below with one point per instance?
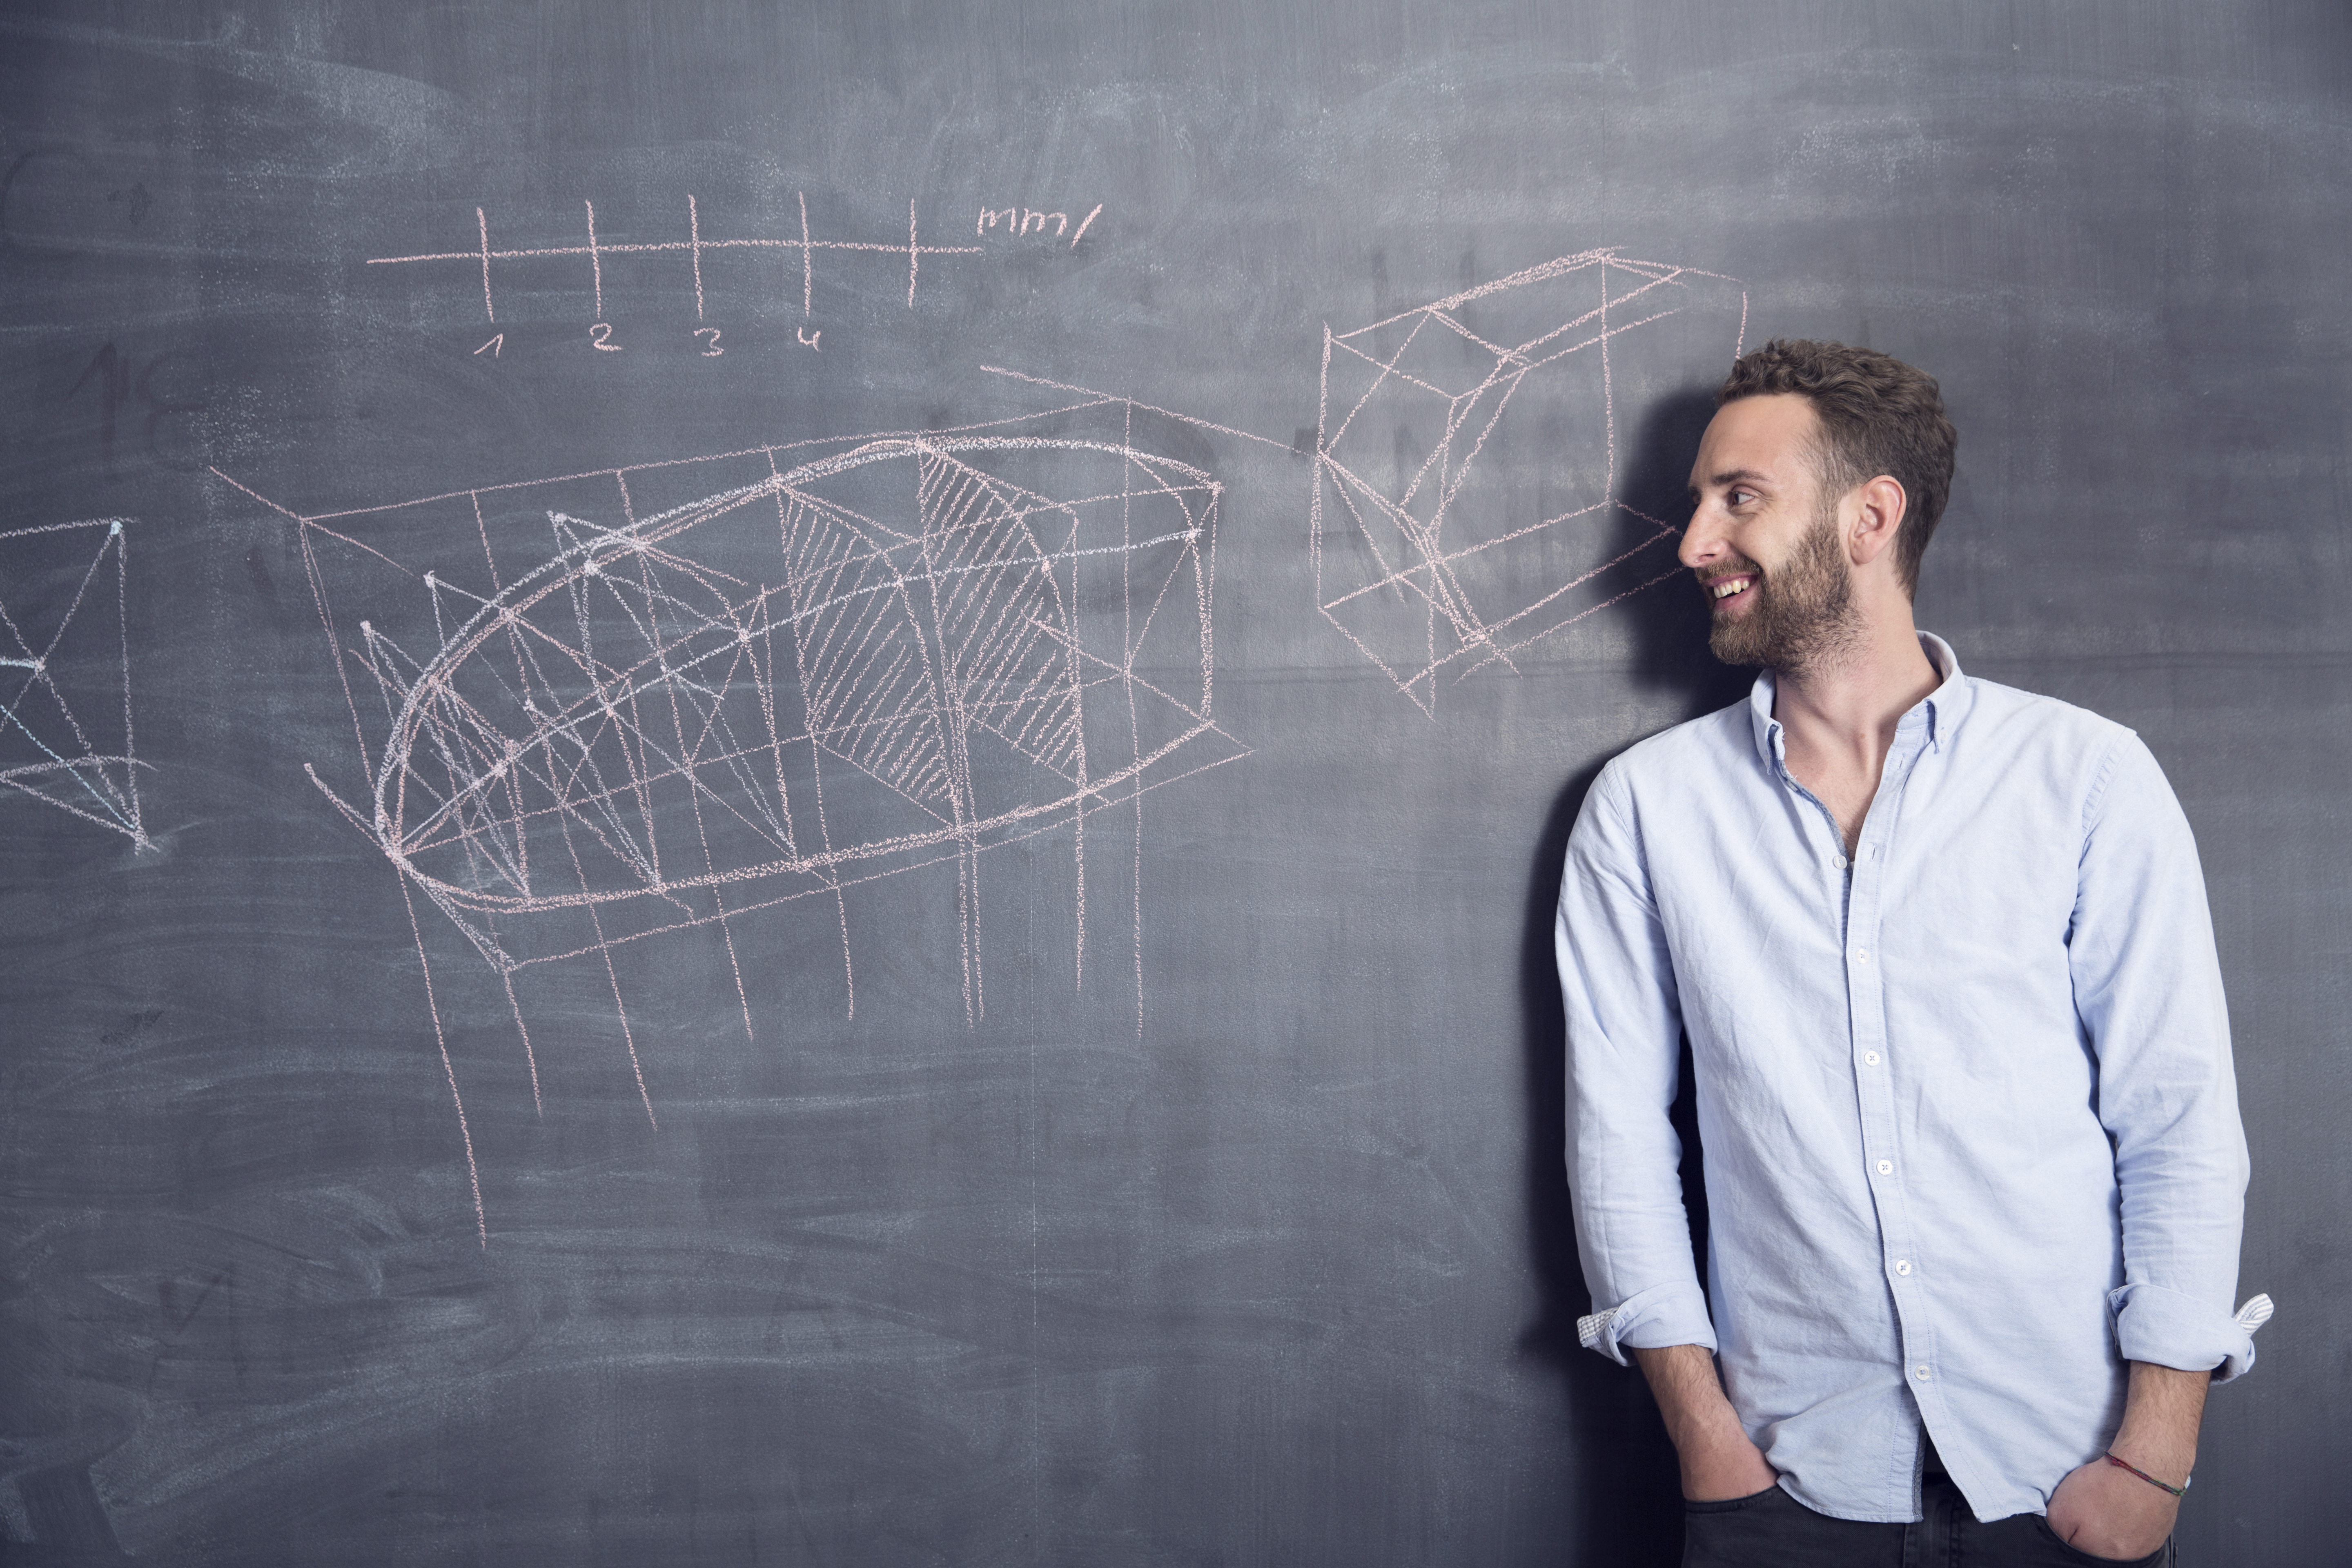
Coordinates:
(1970, 1126)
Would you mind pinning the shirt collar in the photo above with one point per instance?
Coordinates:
(1940, 710)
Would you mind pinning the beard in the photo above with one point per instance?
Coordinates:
(1803, 618)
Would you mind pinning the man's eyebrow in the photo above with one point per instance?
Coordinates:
(1728, 477)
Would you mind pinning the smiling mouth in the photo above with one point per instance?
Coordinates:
(1723, 591)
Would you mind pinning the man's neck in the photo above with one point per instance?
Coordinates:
(1848, 706)
(1840, 716)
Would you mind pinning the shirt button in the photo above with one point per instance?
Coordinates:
(1920, 1372)
(1862, 955)
(1903, 1266)
(1886, 1167)
(1838, 861)
(1870, 1058)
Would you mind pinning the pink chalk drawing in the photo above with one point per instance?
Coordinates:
(829, 663)
(65, 736)
(1465, 503)
(693, 247)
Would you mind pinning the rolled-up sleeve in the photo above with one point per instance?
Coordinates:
(1624, 1030)
(2148, 989)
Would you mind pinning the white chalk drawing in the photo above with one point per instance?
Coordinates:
(693, 245)
(1466, 494)
(66, 735)
(827, 664)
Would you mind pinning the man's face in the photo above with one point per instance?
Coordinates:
(1765, 540)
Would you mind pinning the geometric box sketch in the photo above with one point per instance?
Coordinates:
(1466, 462)
(618, 707)
(65, 672)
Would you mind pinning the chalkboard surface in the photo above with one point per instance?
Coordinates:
(783, 780)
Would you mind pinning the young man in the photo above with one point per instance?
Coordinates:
(1974, 1168)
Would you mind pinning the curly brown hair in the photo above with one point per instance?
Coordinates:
(1879, 417)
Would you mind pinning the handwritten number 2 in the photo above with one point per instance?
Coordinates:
(602, 334)
(711, 348)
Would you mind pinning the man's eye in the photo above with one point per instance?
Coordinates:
(1741, 498)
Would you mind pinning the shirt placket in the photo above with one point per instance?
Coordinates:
(1874, 1065)
(1862, 882)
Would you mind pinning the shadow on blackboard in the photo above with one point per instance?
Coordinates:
(1624, 1474)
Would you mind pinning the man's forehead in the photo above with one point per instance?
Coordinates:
(1764, 437)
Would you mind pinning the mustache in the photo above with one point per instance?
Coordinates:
(1733, 567)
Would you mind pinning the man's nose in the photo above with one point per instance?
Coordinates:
(1702, 540)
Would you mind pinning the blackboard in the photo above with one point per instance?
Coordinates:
(785, 780)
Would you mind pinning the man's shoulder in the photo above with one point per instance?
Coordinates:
(1687, 752)
(2007, 717)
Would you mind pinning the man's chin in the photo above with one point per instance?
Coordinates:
(1734, 643)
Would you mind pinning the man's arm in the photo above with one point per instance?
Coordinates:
(2106, 1510)
(2148, 988)
(1625, 1034)
(1717, 1460)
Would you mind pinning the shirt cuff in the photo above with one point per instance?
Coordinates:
(2168, 1329)
(1673, 1314)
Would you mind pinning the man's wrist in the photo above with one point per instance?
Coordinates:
(2162, 1412)
(2161, 1463)
(1699, 1415)
(1713, 1429)
(2176, 1492)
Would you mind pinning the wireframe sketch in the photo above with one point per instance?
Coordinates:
(1465, 502)
(65, 736)
(607, 716)
(692, 245)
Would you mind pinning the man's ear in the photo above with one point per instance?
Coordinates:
(1881, 504)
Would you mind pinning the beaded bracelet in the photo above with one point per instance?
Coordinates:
(2151, 1480)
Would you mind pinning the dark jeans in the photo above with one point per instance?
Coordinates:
(1773, 1530)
